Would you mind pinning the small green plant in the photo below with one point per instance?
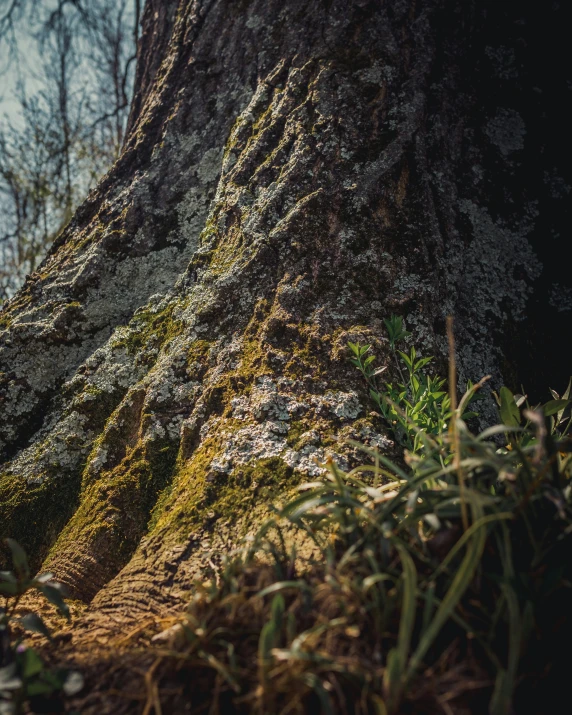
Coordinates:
(417, 406)
(395, 331)
(516, 412)
(24, 678)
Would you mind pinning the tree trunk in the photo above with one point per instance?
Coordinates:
(294, 172)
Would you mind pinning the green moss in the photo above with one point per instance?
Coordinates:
(98, 407)
(199, 496)
(260, 122)
(253, 363)
(118, 505)
(232, 141)
(34, 515)
(87, 239)
(297, 428)
(305, 357)
(198, 351)
(149, 329)
(162, 499)
(209, 230)
(247, 486)
(228, 252)
(116, 508)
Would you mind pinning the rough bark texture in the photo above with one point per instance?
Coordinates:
(294, 172)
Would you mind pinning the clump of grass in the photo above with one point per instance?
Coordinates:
(430, 588)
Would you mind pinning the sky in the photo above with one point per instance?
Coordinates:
(23, 67)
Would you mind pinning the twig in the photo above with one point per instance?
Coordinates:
(134, 632)
(153, 702)
(453, 426)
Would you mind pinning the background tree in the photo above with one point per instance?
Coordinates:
(71, 120)
(293, 172)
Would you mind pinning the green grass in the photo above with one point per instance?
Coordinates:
(428, 589)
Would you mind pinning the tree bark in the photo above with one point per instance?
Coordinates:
(294, 172)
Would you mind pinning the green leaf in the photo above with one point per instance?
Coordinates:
(291, 626)
(33, 622)
(379, 705)
(370, 581)
(281, 585)
(406, 359)
(220, 668)
(266, 642)
(393, 325)
(54, 595)
(554, 406)
(392, 679)
(422, 362)
(508, 681)
(510, 414)
(8, 589)
(277, 611)
(19, 558)
(39, 687)
(407, 620)
(502, 694)
(55, 678)
(32, 664)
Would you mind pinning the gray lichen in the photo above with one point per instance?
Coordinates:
(506, 130)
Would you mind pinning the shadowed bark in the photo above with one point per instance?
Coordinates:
(294, 172)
